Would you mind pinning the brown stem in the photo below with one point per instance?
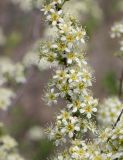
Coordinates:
(120, 85)
(115, 124)
(120, 95)
(118, 119)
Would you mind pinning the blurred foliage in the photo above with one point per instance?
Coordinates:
(109, 83)
(40, 150)
(91, 24)
(19, 128)
(115, 7)
(20, 125)
(13, 40)
(43, 149)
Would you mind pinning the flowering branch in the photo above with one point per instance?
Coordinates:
(117, 31)
(120, 94)
(118, 119)
(72, 82)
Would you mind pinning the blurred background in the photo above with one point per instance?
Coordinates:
(22, 26)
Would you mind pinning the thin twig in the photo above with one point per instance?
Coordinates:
(118, 119)
(120, 85)
(120, 95)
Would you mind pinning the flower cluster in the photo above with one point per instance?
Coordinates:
(83, 8)
(71, 82)
(36, 133)
(80, 150)
(11, 72)
(67, 127)
(8, 146)
(31, 59)
(117, 32)
(116, 139)
(111, 141)
(5, 98)
(107, 146)
(72, 78)
(109, 110)
(28, 5)
(14, 156)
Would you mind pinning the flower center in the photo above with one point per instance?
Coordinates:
(70, 38)
(71, 55)
(54, 17)
(70, 127)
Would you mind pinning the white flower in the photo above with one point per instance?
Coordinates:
(8, 142)
(51, 97)
(55, 17)
(26, 5)
(79, 88)
(19, 73)
(80, 34)
(64, 115)
(65, 27)
(5, 98)
(36, 133)
(88, 110)
(61, 75)
(31, 58)
(47, 8)
(71, 126)
(109, 110)
(74, 76)
(69, 38)
(64, 89)
(72, 57)
(117, 30)
(14, 156)
(12, 72)
(76, 105)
